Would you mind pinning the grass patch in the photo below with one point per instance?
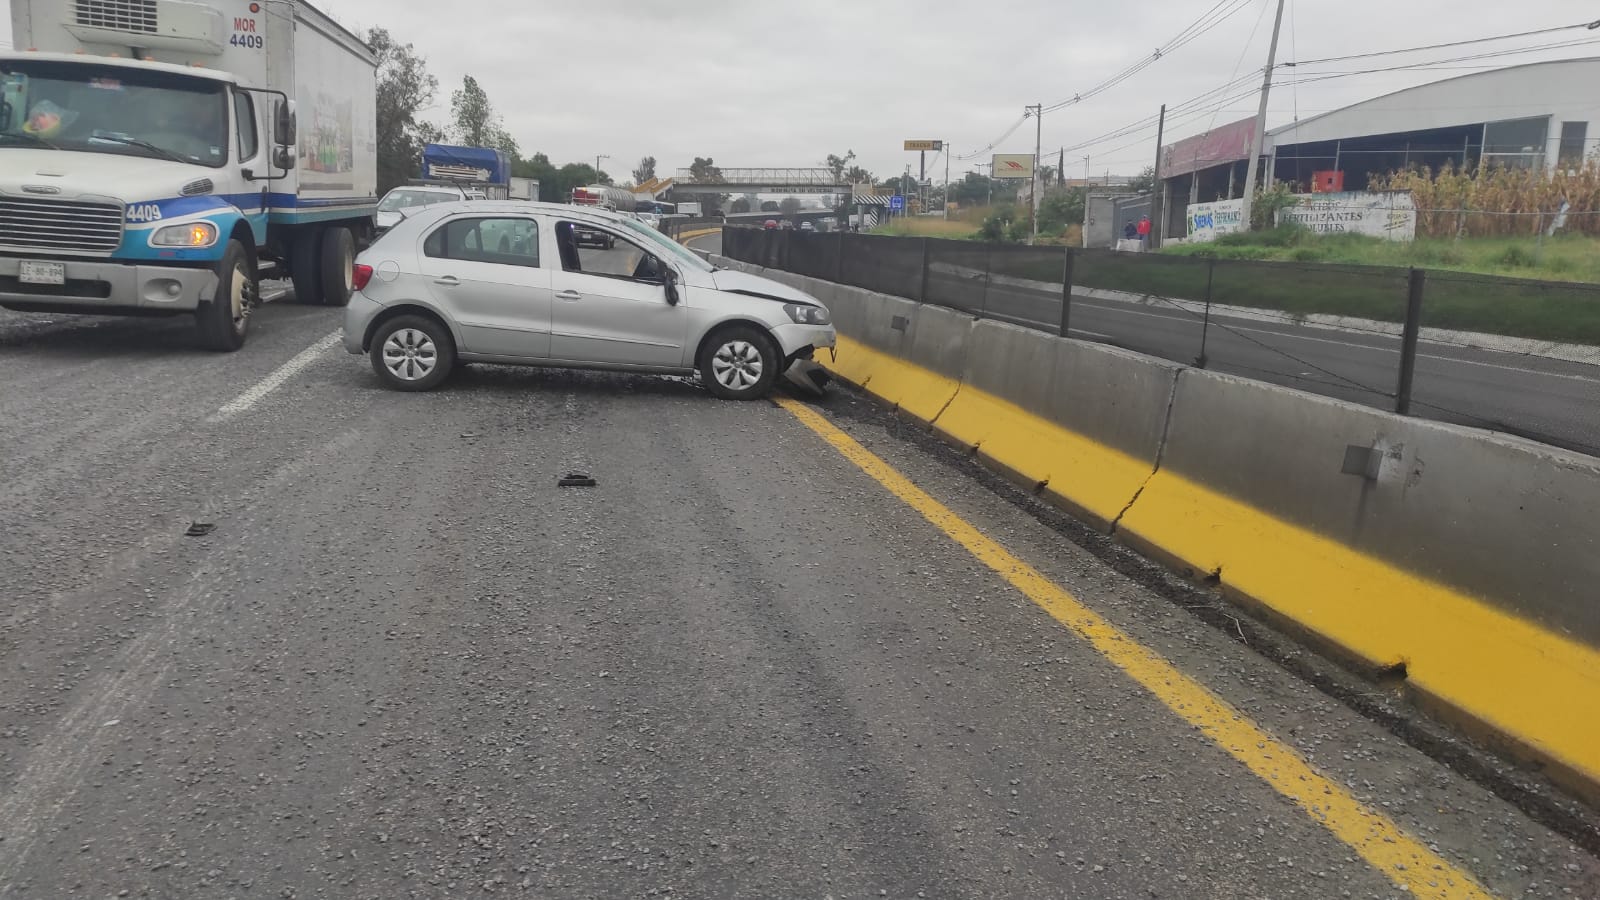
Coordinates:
(928, 226)
(1510, 286)
(1568, 257)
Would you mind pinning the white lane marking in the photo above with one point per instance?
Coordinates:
(274, 380)
(1351, 346)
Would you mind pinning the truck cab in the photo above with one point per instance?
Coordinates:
(152, 163)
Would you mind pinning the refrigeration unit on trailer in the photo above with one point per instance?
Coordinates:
(157, 155)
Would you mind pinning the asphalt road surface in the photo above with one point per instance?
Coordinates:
(401, 662)
(1550, 400)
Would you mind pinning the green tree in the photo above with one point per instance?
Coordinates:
(857, 175)
(1060, 208)
(645, 171)
(476, 122)
(555, 184)
(838, 164)
(704, 171)
(405, 86)
(741, 204)
(769, 206)
(789, 205)
(1145, 181)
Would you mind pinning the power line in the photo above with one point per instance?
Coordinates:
(1216, 15)
(1148, 123)
(1213, 17)
(996, 142)
(1591, 26)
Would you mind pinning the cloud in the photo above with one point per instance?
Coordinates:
(785, 84)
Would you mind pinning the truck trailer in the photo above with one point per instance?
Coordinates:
(483, 169)
(157, 155)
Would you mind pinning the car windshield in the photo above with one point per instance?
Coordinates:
(678, 251)
(110, 109)
(410, 198)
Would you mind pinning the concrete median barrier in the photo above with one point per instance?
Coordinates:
(1079, 423)
(1461, 562)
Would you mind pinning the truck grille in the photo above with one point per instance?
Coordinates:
(60, 224)
(120, 15)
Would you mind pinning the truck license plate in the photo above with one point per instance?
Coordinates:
(42, 272)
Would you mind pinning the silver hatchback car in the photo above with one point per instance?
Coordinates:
(508, 282)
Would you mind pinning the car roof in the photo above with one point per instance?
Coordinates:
(430, 188)
(429, 215)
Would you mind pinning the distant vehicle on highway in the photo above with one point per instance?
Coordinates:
(505, 282)
(404, 200)
(807, 226)
(770, 224)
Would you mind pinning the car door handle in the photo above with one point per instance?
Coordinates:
(448, 281)
(568, 295)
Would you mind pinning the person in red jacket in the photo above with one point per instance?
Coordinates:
(1144, 230)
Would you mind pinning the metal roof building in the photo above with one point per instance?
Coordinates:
(1539, 114)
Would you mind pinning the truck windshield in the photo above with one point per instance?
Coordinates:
(112, 109)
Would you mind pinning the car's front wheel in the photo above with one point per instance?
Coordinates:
(412, 353)
(740, 363)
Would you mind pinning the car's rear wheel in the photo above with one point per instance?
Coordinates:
(412, 353)
(740, 363)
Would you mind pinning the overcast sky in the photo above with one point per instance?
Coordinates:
(785, 82)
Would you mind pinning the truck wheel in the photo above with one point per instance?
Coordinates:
(223, 319)
(304, 250)
(337, 265)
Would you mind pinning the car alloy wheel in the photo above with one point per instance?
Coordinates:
(410, 355)
(737, 365)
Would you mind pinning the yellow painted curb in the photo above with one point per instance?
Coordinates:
(1522, 682)
(1382, 842)
(1529, 688)
(688, 236)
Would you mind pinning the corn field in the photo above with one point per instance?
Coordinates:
(1499, 202)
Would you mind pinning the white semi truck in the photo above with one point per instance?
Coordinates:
(157, 155)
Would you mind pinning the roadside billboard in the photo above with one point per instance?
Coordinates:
(924, 145)
(1013, 165)
(1222, 144)
(1208, 220)
(1391, 215)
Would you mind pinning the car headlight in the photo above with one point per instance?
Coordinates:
(194, 234)
(806, 314)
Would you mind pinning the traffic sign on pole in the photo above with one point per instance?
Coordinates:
(897, 202)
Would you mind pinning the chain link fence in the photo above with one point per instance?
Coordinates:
(1513, 355)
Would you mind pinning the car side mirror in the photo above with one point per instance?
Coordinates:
(669, 281)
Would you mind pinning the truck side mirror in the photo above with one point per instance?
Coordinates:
(283, 126)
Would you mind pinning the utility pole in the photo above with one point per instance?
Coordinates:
(1260, 137)
(1038, 138)
(947, 180)
(1158, 213)
(597, 158)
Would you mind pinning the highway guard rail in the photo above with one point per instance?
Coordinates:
(1271, 320)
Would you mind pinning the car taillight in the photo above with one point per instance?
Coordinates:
(360, 277)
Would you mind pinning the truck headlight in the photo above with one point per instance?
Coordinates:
(806, 314)
(194, 234)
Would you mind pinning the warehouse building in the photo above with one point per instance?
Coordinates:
(1534, 115)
